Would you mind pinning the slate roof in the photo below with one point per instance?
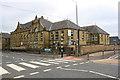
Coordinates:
(26, 25)
(95, 29)
(45, 23)
(5, 35)
(65, 24)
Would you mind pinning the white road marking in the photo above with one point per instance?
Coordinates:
(82, 63)
(15, 67)
(21, 59)
(53, 62)
(3, 71)
(47, 70)
(17, 61)
(8, 62)
(29, 65)
(34, 73)
(90, 72)
(19, 76)
(116, 57)
(65, 60)
(13, 57)
(113, 57)
(67, 65)
(58, 67)
(49, 62)
(75, 64)
(44, 64)
(60, 61)
(75, 69)
(87, 62)
(102, 74)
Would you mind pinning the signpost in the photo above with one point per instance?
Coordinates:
(47, 49)
(35, 44)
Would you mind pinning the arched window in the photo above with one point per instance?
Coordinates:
(36, 34)
(36, 30)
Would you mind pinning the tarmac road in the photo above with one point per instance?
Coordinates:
(22, 65)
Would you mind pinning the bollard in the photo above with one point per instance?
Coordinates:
(103, 54)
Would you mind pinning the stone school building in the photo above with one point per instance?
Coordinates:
(40, 34)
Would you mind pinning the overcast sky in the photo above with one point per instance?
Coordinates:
(103, 13)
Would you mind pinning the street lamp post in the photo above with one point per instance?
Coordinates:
(76, 12)
(77, 41)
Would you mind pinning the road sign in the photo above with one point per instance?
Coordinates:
(69, 32)
(47, 49)
(35, 44)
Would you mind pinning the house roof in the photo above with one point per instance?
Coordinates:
(65, 24)
(5, 35)
(95, 29)
(45, 23)
(26, 25)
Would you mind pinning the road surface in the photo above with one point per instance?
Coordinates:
(23, 65)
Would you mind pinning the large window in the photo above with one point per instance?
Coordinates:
(56, 35)
(62, 35)
(36, 34)
(83, 36)
(52, 36)
(101, 37)
(96, 38)
(72, 35)
(41, 36)
(36, 30)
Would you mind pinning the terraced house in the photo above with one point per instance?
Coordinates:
(40, 33)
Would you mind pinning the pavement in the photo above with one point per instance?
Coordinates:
(108, 57)
(111, 61)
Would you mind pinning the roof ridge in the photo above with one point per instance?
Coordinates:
(60, 21)
(101, 29)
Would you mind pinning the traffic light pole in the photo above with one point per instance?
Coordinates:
(77, 44)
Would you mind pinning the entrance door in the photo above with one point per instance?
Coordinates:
(72, 51)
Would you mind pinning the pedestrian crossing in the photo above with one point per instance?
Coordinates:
(15, 67)
(3, 71)
(44, 64)
(33, 64)
(29, 65)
